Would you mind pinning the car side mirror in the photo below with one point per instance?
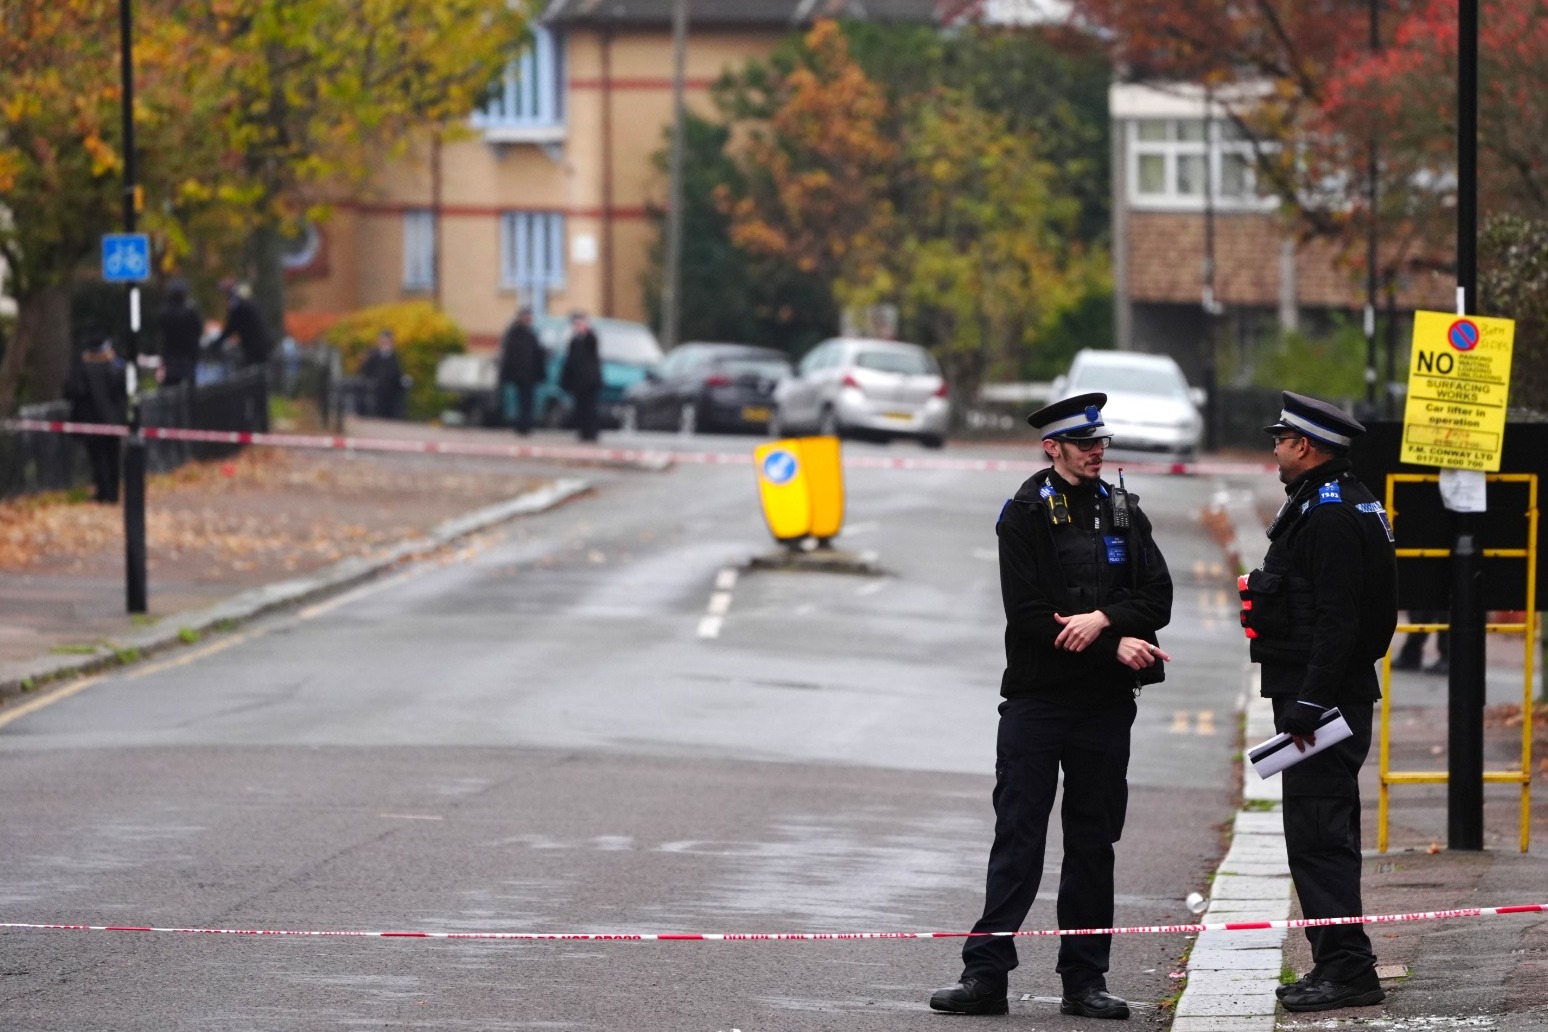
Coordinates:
(1056, 391)
(1198, 396)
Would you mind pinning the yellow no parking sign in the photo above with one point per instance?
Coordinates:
(1458, 382)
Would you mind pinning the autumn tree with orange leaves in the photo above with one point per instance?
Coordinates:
(929, 203)
(247, 112)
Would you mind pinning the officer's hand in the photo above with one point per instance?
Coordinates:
(1300, 723)
(1080, 630)
(1137, 653)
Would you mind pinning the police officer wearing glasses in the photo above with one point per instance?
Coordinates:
(1085, 591)
(1319, 614)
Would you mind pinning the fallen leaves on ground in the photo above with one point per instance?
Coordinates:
(262, 508)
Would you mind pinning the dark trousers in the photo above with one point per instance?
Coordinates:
(1322, 838)
(521, 395)
(1036, 738)
(586, 415)
(103, 455)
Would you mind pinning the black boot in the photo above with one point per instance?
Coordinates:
(971, 996)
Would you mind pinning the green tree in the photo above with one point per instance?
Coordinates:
(981, 255)
(317, 91)
(61, 164)
(246, 113)
(1513, 281)
(729, 294)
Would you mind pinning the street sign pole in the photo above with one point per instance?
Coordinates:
(134, 445)
(1464, 781)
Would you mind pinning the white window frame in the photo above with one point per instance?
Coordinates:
(532, 255)
(1173, 150)
(418, 250)
(527, 104)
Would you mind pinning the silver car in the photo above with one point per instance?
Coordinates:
(1149, 403)
(858, 387)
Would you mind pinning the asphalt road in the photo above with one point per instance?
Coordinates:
(595, 720)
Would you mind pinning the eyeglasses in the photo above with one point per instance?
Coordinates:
(1284, 437)
(1088, 443)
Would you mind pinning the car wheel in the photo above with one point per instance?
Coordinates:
(628, 419)
(688, 418)
(828, 424)
(933, 441)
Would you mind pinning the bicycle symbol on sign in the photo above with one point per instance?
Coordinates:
(125, 257)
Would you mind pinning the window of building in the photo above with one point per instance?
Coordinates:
(530, 95)
(532, 255)
(1171, 165)
(419, 249)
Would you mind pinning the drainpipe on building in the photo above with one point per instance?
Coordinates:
(607, 169)
(435, 218)
(1212, 307)
(671, 293)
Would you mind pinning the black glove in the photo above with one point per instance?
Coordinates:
(1301, 719)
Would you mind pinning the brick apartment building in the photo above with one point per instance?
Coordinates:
(1181, 173)
(547, 202)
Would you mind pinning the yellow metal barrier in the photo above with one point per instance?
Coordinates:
(1530, 630)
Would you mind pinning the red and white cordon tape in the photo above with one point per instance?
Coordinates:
(1233, 926)
(589, 453)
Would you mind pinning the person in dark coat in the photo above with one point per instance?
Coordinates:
(522, 364)
(244, 323)
(97, 393)
(182, 329)
(582, 375)
(1085, 590)
(384, 378)
(1323, 608)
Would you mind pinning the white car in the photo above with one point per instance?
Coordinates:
(1150, 406)
(859, 387)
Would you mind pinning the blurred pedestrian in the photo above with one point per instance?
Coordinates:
(523, 361)
(97, 393)
(384, 378)
(1322, 611)
(1411, 655)
(182, 328)
(582, 375)
(1085, 591)
(244, 324)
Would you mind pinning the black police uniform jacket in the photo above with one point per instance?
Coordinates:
(1076, 567)
(1324, 603)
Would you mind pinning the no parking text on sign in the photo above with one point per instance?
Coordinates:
(1458, 381)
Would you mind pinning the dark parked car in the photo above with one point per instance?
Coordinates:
(726, 387)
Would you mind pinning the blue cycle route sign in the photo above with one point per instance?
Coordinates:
(779, 466)
(125, 257)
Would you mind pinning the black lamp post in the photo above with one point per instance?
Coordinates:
(134, 445)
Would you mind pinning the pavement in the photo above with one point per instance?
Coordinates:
(1482, 973)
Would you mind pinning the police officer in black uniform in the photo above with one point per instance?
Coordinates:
(1085, 591)
(1319, 614)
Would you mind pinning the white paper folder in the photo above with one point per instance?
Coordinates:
(1279, 752)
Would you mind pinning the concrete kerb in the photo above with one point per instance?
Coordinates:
(1232, 975)
(170, 631)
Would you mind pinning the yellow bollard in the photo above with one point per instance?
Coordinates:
(801, 486)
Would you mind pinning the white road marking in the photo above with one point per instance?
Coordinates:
(709, 626)
(719, 603)
(870, 589)
(725, 580)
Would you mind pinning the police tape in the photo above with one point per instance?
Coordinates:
(1230, 926)
(585, 453)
